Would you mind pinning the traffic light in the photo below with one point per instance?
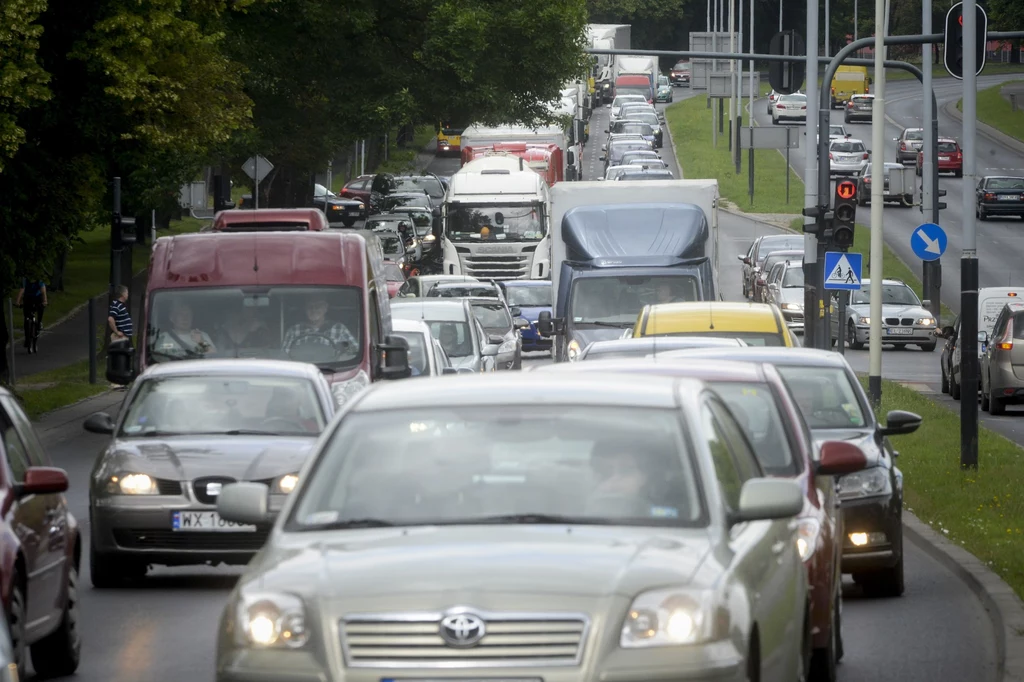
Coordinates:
(844, 214)
(953, 48)
(787, 77)
(122, 231)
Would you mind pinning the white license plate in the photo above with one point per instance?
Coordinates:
(205, 522)
(1007, 197)
(943, 158)
(899, 331)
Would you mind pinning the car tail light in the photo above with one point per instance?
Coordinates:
(867, 180)
(865, 156)
(1006, 342)
(989, 196)
(849, 105)
(803, 107)
(830, 157)
(903, 146)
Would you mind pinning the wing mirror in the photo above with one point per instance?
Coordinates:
(926, 303)
(521, 323)
(244, 503)
(495, 340)
(768, 498)
(516, 311)
(948, 332)
(900, 423)
(99, 422)
(394, 358)
(490, 350)
(42, 481)
(840, 457)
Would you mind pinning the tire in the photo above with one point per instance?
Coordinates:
(928, 347)
(518, 362)
(954, 387)
(887, 582)
(945, 381)
(838, 625)
(996, 406)
(824, 660)
(775, 121)
(16, 624)
(959, 173)
(111, 572)
(851, 337)
(58, 654)
(348, 223)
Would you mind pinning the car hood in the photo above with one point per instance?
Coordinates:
(584, 337)
(862, 438)
(432, 567)
(243, 458)
(791, 295)
(890, 310)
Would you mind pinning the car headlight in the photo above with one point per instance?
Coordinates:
(808, 531)
(285, 484)
(668, 617)
(362, 207)
(926, 321)
(507, 346)
(874, 481)
(268, 620)
(792, 306)
(864, 320)
(132, 484)
(573, 350)
(344, 390)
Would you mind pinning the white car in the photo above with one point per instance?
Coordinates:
(426, 355)
(847, 156)
(790, 108)
(622, 99)
(835, 132)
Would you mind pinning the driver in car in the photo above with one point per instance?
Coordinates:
(319, 330)
(666, 294)
(182, 340)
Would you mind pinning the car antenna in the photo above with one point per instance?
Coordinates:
(711, 315)
(256, 252)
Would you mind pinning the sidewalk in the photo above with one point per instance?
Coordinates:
(66, 423)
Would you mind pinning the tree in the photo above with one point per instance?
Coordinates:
(1007, 15)
(22, 79)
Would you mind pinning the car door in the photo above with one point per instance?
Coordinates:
(31, 520)
(998, 329)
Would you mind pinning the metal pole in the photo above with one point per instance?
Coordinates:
(92, 340)
(115, 249)
(10, 347)
(709, 16)
(929, 172)
(732, 70)
(828, 13)
(780, 15)
(811, 266)
(840, 341)
(750, 112)
(738, 153)
(855, 13)
(969, 259)
(152, 227)
(789, 169)
(877, 197)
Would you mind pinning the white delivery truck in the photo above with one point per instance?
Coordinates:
(607, 37)
(496, 220)
(614, 244)
(991, 301)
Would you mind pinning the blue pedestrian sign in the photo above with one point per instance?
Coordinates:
(843, 270)
(928, 241)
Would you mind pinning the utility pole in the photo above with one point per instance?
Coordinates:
(855, 13)
(877, 195)
(969, 259)
(828, 14)
(737, 152)
(750, 114)
(780, 16)
(931, 270)
(813, 281)
(732, 70)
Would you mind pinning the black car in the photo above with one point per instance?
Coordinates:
(635, 125)
(1000, 195)
(337, 209)
(836, 407)
(951, 334)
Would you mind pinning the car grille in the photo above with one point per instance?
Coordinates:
(414, 640)
(497, 266)
(129, 538)
(166, 487)
(199, 487)
(895, 321)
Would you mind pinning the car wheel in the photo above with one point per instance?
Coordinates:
(959, 173)
(944, 387)
(16, 624)
(851, 337)
(887, 582)
(58, 654)
(824, 660)
(996, 406)
(954, 387)
(107, 571)
(928, 347)
(348, 223)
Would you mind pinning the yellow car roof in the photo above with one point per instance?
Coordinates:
(702, 316)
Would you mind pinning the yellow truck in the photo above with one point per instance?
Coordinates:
(848, 81)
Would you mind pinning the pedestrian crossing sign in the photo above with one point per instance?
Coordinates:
(843, 270)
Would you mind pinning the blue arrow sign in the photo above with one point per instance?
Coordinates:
(928, 241)
(843, 270)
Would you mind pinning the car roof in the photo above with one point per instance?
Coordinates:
(947, 139)
(402, 324)
(433, 309)
(527, 283)
(848, 139)
(775, 355)
(227, 366)
(656, 344)
(885, 280)
(723, 316)
(726, 370)
(528, 388)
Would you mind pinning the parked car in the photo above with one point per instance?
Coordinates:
(40, 551)
(951, 157)
(426, 355)
(790, 108)
(1000, 195)
(908, 145)
(859, 108)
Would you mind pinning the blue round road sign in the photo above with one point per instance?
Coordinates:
(928, 241)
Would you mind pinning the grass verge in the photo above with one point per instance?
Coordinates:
(48, 391)
(995, 110)
(981, 510)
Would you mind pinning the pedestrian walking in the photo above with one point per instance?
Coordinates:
(118, 318)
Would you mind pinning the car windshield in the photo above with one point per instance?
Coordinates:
(777, 257)
(1005, 183)
(386, 223)
(391, 244)
(785, 244)
(616, 301)
(836, 130)
(846, 147)
(617, 149)
(420, 183)
(631, 109)
(641, 155)
(492, 316)
(246, 404)
(794, 278)
(620, 100)
(392, 201)
(825, 396)
(422, 220)
(418, 362)
(755, 408)
(892, 294)
(529, 297)
(462, 291)
(634, 90)
(622, 466)
(393, 273)
(915, 134)
(319, 191)
(645, 175)
(319, 325)
(948, 147)
(681, 66)
(643, 117)
(492, 222)
(631, 127)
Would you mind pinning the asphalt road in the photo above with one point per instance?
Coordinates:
(165, 629)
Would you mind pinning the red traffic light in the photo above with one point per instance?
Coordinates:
(846, 189)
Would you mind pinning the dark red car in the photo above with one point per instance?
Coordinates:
(760, 400)
(951, 157)
(395, 277)
(40, 550)
(358, 188)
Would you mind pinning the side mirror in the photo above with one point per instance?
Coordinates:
(545, 325)
(521, 323)
(982, 337)
(495, 340)
(99, 422)
(926, 303)
(490, 350)
(449, 370)
(42, 481)
(900, 423)
(244, 503)
(768, 498)
(395, 358)
(516, 311)
(839, 457)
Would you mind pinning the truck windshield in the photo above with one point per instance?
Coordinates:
(319, 325)
(618, 300)
(529, 297)
(491, 222)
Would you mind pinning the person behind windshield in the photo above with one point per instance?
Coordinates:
(243, 329)
(449, 338)
(319, 330)
(666, 293)
(285, 404)
(182, 339)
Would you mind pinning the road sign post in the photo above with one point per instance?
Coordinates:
(257, 168)
(812, 236)
(969, 259)
(928, 242)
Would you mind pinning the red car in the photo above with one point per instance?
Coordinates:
(395, 277)
(358, 188)
(951, 157)
(759, 398)
(40, 551)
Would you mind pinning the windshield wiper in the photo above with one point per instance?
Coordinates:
(351, 523)
(525, 519)
(602, 323)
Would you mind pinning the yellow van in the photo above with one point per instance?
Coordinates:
(849, 81)
(757, 324)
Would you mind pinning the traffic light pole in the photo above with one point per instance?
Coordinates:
(813, 253)
(877, 206)
(931, 273)
(969, 257)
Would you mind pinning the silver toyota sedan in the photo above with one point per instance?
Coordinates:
(186, 430)
(459, 528)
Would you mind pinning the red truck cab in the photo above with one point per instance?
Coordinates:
(270, 220)
(635, 85)
(543, 157)
(316, 297)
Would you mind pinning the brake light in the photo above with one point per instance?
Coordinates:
(903, 146)
(989, 196)
(830, 157)
(1006, 343)
(780, 106)
(803, 107)
(867, 180)
(849, 105)
(865, 155)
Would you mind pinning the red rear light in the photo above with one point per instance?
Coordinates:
(830, 157)
(780, 106)
(903, 146)
(804, 106)
(989, 196)
(865, 155)
(849, 105)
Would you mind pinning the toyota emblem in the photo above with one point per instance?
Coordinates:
(462, 629)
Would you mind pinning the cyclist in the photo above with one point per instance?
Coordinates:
(32, 299)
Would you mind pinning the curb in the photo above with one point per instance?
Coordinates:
(1003, 606)
(985, 130)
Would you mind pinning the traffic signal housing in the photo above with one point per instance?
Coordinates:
(844, 214)
(953, 46)
(787, 77)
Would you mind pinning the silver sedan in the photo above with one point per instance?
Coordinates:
(616, 530)
(186, 430)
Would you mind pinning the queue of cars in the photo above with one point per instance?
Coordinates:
(634, 132)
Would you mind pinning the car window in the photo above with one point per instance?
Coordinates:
(825, 396)
(14, 448)
(794, 277)
(746, 461)
(529, 297)
(1005, 183)
(766, 247)
(455, 337)
(754, 406)
(34, 449)
(730, 479)
(847, 147)
(947, 147)
(492, 315)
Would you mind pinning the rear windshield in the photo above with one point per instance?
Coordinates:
(794, 277)
(947, 147)
(418, 184)
(755, 339)
(631, 127)
(848, 147)
(634, 90)
(1005, 183)
(651, 175)
(914, 135)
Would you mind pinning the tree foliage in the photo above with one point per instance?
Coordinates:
(22, 79)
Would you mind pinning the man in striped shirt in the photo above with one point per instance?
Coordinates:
(118, 318)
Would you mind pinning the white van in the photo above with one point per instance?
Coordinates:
(990, 303)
